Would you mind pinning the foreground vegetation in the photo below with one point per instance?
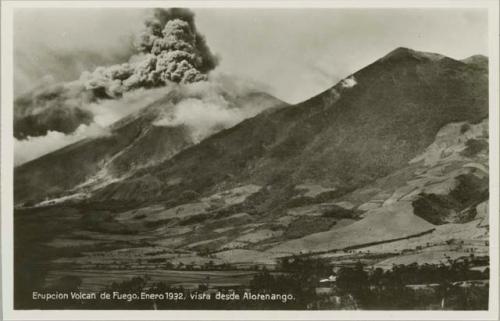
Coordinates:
(413, 286)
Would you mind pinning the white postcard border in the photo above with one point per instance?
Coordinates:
(7, 161)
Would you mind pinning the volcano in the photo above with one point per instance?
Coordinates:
(388, 166)
(365, 127)
(133, 142)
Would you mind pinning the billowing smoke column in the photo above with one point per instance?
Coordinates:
(170, 50)
(170, 55)
(153, 31)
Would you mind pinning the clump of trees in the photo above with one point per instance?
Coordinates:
(356, 287)
(379, 289)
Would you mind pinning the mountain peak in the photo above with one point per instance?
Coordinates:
(476, 60)
(405, 53)
(400, 51)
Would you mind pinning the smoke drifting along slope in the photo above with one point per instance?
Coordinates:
(55, 107)
(169, 50)
(33, 147)
(209, 107)
(101, 115)
(204, 108)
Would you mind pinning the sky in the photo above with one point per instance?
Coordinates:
(293, 53)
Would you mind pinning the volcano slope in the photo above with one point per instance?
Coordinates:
(132, 143)
(367, 126)
(389, 164)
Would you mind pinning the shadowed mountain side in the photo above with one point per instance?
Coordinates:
(365, 127)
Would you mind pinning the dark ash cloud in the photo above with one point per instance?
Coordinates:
(169, 50)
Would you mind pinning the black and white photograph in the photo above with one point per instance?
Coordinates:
(212, 157)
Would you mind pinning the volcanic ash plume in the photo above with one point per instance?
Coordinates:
(170, 50)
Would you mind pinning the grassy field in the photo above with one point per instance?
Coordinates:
(95, 280)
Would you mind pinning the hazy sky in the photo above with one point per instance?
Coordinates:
(295, 53)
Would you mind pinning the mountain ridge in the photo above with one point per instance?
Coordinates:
(387, 167)
(332, 132)
(440, 83)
